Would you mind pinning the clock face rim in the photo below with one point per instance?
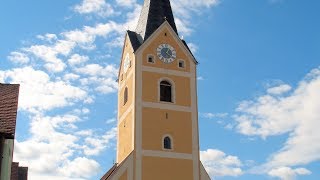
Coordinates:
(168, 47)
(126, 63)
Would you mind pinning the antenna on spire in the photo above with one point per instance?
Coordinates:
(165, 18)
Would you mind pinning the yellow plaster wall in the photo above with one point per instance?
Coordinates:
(129, 84)
(124, 176)
(154, 168)
(155, 126)
(162, 39)
(127, 49)
(150, 88)
(125, 137)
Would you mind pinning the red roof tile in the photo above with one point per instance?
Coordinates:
(14, 171)
(9, 94)
(18, 172)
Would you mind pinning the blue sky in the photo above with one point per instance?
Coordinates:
(258, 84)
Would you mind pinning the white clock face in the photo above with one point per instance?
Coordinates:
(126, 63)
(166, 53)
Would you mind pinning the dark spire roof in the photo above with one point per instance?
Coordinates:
(153, 14)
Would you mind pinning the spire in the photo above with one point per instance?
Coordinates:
(153, 14)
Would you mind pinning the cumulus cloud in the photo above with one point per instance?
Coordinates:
(286, 173)
(99, 7)
(95, 145)
(77, 59)
(39, 92)
(279, 89)
(217, 163)
(214, 115)
(18, 57)
(48, 37)
(57, 150)
(126, 3)
(295, 113)
(185, 9)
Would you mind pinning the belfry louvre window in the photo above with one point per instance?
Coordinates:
(165, 91)
(167, 143)
(125, 96)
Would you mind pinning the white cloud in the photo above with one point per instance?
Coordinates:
(18, 57)
(214, 115)
(279, 89)
(126, 3)
(99, 7)
(98, 70)
(295, 113)
(49, 56)
(111, 121)
(38, 92)
(185, 9)
(95, 145)
(77, 59)
(57, 151)
(88, 132)
(48, 37)
(80, 167)
(286, 173)
(85, 38)
(193, 47)
(217, 163)
(70, 77)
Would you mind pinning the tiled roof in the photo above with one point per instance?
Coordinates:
(14, 171)
(134, 40)
(153, 14)
(186, 45)
(23, 173)
(18, 173)
(114, 169)
(9, 94)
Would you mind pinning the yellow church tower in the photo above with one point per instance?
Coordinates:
(158, 136)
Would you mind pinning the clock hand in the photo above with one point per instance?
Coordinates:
(167, 52)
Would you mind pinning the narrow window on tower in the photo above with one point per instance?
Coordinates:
(151, 59)
(165, 91)
(181, 64)
(125, 96)
(167, 143)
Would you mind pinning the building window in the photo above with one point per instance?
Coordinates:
(151, 59)
(165, 91)
(125, 96)
(181, 64)
(167, 143)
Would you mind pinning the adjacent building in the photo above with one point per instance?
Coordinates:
(9, 94)
(158, 136)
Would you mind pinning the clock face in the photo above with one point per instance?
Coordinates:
(126, 63)
(166, 53)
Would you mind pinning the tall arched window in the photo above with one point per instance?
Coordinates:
(165, 91)
(125, 96)
(167, 143)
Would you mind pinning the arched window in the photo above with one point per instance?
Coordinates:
(165, 91)
(167, 143)
(125, 96)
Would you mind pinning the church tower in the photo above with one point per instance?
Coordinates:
(158, 136)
